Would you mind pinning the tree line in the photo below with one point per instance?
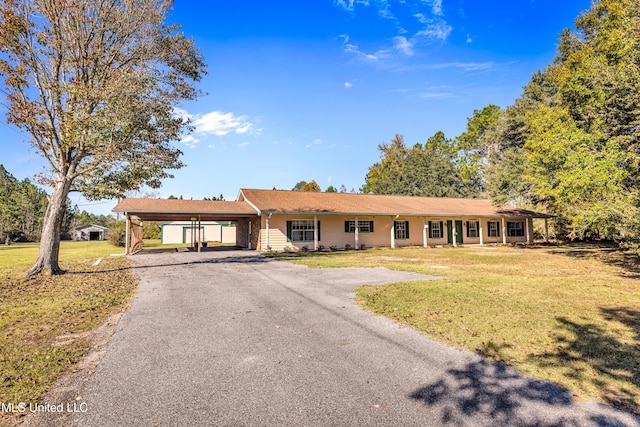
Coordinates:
(22, 209)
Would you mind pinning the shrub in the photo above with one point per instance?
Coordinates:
(118, 234)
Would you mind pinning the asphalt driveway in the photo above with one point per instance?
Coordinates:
(233, 338)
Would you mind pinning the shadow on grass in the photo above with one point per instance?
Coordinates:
(616, 360)
(611, 254)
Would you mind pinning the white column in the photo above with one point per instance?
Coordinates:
(266, 248)
(454, 233)
(480, 230)
(528, 222)
(315, 232)
(504, 232)
(425, 229)
(357, 234)
(393, 232)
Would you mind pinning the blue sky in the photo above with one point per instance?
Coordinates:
(302, 90)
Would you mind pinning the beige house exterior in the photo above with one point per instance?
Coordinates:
(278, 220)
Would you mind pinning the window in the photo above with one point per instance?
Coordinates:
(472, 229)
(436, 230)
(494, 228)
(301, 230)
(515, 229)
(363, 226)
(402, 229)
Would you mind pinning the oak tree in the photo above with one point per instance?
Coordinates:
(95, 83)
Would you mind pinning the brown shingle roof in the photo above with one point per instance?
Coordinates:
(177, 210)
(281, 201)
(250, 201)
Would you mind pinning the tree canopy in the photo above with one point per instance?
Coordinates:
(424, 170)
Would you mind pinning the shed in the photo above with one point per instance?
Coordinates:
(92, 232)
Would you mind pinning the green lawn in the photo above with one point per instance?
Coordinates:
(567, 314)
(42, 319)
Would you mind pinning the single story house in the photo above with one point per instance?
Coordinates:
(173, 232)
(279, 220)
(91, 232)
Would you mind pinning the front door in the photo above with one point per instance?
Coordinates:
(458, 232)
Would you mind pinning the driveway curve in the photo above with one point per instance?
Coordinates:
(234, 338)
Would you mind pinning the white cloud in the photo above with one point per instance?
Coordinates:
(435, 30)
(421, 18)
(436, 6)
(465, 66)
(367, 57)
(190, 141)
(219, 124)
(348, 85)
(403, 45)
(350, 4)
(469, 39)
(430, 95)
(316, 142)
(243, 144)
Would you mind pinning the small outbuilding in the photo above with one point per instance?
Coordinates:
(92, 232)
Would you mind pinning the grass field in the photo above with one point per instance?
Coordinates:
(567, 314)
(44, 320)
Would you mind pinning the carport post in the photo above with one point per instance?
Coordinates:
(199, 234)
(267, 232)
(481, 231)
(127, 234)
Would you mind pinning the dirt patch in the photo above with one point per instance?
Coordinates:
(66, 389)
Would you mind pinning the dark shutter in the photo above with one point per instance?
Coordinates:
(498, 228)
(467, 228)
(319, 231)
(407, 225)
(346, 226)
(430, 230)
(441, 229)
(288, 231)
(371, 226)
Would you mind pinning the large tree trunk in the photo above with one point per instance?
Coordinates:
(47, 260)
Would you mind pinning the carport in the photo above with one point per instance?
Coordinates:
(137, 211)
